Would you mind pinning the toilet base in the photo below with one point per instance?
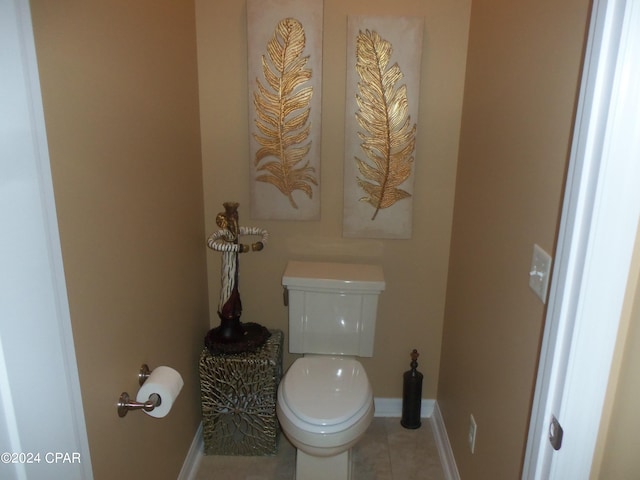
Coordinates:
(337, 467)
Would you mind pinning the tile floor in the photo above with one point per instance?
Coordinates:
(387, 452)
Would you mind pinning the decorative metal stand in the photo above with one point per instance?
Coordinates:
(238, 397)
(233, 336)
(412, 395)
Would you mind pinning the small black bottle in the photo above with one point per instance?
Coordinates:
(412, 395)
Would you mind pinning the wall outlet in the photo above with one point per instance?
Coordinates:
(473, 428)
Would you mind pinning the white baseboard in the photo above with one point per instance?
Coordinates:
(444, 447)
(194, 456)
(392, 407)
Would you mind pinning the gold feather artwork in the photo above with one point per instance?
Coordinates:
(282, 105)
(387, 135)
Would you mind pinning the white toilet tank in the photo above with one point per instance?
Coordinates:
(332, 307)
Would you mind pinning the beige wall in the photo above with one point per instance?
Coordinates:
(620, 459)
(121, 104)
(411, 309)
(618, 444)
(119, 82)
(522, 76)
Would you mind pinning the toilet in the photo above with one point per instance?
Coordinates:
(325, 400)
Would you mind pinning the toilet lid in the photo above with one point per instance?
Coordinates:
(326, 390)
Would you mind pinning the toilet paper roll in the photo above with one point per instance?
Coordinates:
(167, 383)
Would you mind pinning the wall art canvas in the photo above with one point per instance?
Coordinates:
(383, 87)
(285, 73)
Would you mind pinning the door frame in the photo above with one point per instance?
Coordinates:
(595, 247)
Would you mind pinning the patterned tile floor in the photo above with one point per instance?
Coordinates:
(387, 452)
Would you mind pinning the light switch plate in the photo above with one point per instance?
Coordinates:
(540, 272)
(473, 429)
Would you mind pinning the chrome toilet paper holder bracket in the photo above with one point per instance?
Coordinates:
(125, 404)
(143, 374)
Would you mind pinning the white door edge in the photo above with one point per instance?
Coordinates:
(595, 246)
(41, 412)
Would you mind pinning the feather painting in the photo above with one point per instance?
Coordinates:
(282, 107)
(387, 135)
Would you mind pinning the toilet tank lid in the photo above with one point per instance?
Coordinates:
(326, 275)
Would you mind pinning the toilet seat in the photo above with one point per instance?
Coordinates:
(326, 394)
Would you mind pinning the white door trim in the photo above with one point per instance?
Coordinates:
(595, 246)
(41, 412)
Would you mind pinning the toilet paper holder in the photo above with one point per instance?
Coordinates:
(125, 404)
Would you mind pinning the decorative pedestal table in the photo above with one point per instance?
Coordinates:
(238, 394)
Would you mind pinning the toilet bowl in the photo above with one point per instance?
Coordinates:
(325, 399)
(325, 404)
